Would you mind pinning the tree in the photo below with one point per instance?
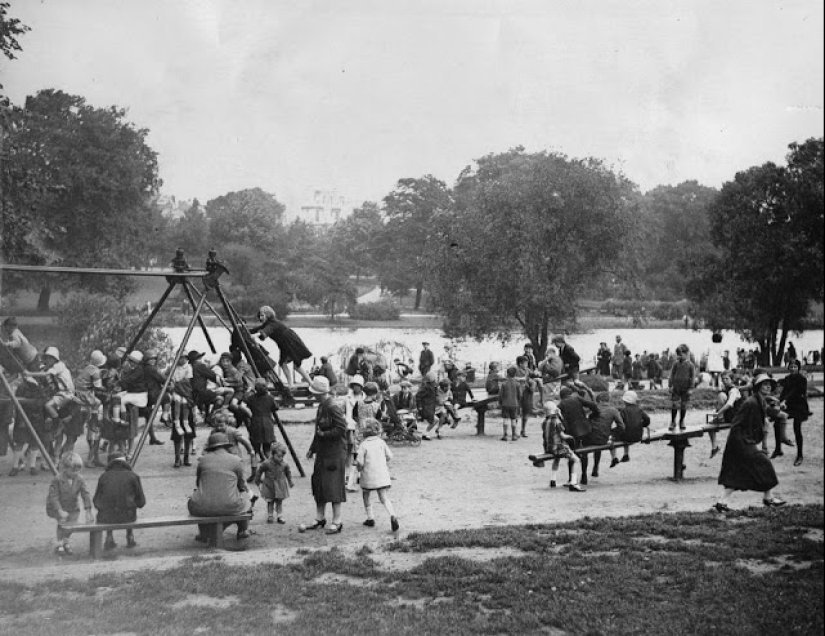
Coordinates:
(358, 238)
(250, 217)
(767, 226)
(410, 210)
(80, 184)
(10, 28)
(191, 233)
(528, 233)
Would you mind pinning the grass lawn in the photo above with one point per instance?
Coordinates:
(758, 571)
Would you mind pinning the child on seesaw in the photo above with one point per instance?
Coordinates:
(556, 443)
(62, 502)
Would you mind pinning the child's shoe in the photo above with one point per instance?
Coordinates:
(280, 520)
(614, 462)
(576, 488)
(130, 542)
(270, 519)
(626, 458)
(13, 472)
(503, 439)
(672, 428)
(394, 524)
(110, 544)
(552, 483)
(369, 523)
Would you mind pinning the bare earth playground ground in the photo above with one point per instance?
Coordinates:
(461, 481)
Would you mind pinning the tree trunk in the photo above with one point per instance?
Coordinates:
(418, 289)
(43, 299)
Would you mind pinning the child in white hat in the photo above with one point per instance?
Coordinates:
(556, 443)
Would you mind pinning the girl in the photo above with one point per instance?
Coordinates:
(372, 459)
(794, 399)
(556, 442)
(183, 429)
(289, 343)
(352, 402)
(64, 492)
(261, 427)
(274, 478)
(371, 407)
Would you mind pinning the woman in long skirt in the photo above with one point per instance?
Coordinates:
(744, 465)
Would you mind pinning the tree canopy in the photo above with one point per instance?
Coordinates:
(249, 217)
(767, 227)
(527, 235)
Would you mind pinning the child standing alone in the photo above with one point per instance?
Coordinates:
(62, 502)
(274, 478)
(508, 397)
(372, 460)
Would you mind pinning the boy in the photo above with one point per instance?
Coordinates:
(509, 397)
(682, 379)
(118, 495)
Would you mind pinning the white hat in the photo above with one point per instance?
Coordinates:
(320, 384)
(136, 357)
(97, 359)
(53, 352)
(762, 377)
(630, 397)
(356, 379)
(551, 408)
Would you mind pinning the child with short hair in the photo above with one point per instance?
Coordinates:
(372, 460)
(118, 495)
(62, 502)
(509, 396)
(682, 380)
(444, 408)
(636, 425)
(274, 479)
(556, 442)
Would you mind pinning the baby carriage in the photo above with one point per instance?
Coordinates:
(403, 431)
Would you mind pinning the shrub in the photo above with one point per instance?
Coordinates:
(97, 321)
(382, 310)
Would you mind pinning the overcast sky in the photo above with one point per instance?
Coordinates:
(353, 94)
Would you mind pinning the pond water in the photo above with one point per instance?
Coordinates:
(338, 344)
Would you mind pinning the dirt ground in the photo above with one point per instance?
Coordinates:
(461, 481)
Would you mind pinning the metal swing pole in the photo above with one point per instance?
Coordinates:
(233, 318)
(209, 306)
(196, 307)
(151, 316)
(165, 388)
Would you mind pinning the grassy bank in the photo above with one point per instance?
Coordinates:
(758, 571)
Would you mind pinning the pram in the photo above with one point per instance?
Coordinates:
(402, 432)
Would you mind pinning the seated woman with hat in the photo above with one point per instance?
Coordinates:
(220, 486)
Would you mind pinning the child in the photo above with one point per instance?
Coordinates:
(555, 442)
(261, 427)
(627, 368)
(372, 459)
(493, 380)
(682, 379)
(461, 391)
(636, 425)
(274, 478)
(444, 408)
(637, 372)
(371, 407)
(508, 397)
(64, 492)
(118, 495)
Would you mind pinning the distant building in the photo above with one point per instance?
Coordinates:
(170, 207)
(321, 207)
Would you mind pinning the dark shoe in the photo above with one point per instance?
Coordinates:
(671, 428)
(552, 483)
(250, 479)
(186, 463)
(524, 434)
(774, 502)
(777, 453)
(335, 528)
(682, 427)
(177, 463)
(797, 461)
(109, 545)
(595, 473)
(721, 507)
(33, 472)
(626, 458)
(504, 439)
(394, 524)
(369, 523)
(614, 462)
(155, 442)
(714, 452)
(319, 523)
(13, 472)
(243, 534)
(576, 488)
(788, 442)
(280, 520)
(426, 437)
(584, 480)
(514, 438)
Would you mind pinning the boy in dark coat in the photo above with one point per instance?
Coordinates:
(118, 495)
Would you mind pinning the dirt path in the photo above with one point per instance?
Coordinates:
(461, 481)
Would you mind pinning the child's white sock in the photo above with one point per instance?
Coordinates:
(388, 505)
(553, 473)
(368, 510)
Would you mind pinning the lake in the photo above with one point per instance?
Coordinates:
(338, 344)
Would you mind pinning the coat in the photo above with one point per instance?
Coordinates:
(744, 465)
(220, 485)
(372, 458)
(119, 494)
(330, 450)
(576, 422)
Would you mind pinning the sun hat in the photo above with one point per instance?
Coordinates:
(53, 352)
(120, 352)
(764, 377)
(630, 397)
(357, 379)
(136, 357)
(319, 385)
(551, 408)
(97, 359)
(426, 343)
(218, 440)
(430, 376)
(194, 355)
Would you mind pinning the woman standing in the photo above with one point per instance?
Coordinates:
(794, 400)
(744, 465)
(289, 343)
(330, 452)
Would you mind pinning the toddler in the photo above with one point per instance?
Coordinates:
(274, 479)
(62, 502)
(373, 456)
(556, 443)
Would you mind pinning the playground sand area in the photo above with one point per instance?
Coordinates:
(461, 481)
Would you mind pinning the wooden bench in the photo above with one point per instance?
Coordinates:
(679, 441)
(214, 530)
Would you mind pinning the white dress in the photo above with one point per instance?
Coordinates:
(373, 456)
(715, 363)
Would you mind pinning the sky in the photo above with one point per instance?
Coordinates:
(353, 95)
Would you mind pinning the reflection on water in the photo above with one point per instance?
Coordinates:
(401, 343)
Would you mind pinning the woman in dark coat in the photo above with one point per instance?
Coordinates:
(330, 452)
(794, 399)
(744, 465)
(289, 343)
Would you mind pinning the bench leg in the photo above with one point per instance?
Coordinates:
(95, 544)
(215, 534)
(480, 423)
(679, 446)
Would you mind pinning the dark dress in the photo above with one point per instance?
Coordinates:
(744, 465)
(795, 395)
(329, 447)
(261, 425)
(119, 494)
(289, 343)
